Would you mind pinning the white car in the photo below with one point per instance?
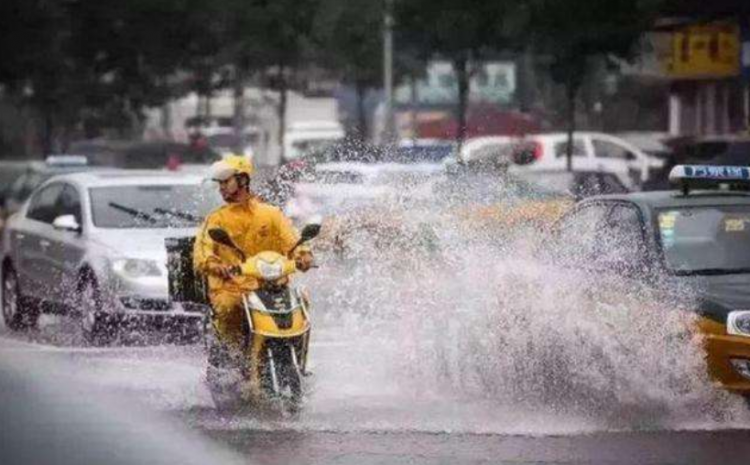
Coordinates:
(487, 148)
(337, 187)
(304, 137)
(592, 151)
(93, 244)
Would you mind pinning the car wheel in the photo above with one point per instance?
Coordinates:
(94, 327)
(18, 312)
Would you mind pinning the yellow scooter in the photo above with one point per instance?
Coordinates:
(271, 368)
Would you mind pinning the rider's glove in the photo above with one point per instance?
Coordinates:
(304, 260)
(228, 272)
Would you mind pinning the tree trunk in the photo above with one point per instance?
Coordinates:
(239, 100)
(48, 136)
(198, 103)
(414, 103)
(166, 121)
(571, 90)
(208, 105)
(462, 73)
(361, 131)
(282, 112)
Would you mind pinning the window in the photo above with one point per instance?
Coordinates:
(44, 204)
(152, 206)
(69, 203)
(706, 239)
(620, 243)
(605, 149)
(577, 233)
(579, 149)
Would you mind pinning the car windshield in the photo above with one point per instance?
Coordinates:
(151, 206)
(706, 240)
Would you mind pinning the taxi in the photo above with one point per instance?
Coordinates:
(692, 240)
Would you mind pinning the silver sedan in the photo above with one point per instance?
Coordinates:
(92, 244)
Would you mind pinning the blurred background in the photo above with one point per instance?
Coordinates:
(439, 141)
(277, 79)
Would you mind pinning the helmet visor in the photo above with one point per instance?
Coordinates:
(220, 172)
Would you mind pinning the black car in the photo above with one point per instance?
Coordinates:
(685, 241)
(715, 150)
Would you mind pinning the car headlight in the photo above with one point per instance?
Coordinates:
(270, 271)
(738, 323)
(135, 268)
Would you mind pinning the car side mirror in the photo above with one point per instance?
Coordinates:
(220, 236)
(310, 232)
(67, 223)
(630, 156)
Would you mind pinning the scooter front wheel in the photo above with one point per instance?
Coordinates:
(283, 378)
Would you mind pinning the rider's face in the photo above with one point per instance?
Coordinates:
(229, 189)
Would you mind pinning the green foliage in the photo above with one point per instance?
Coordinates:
(570, 32)
(349, 40)
(456, 29)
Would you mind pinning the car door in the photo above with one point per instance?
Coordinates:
(614, 157)
(31, 240)
(67, 247)
(581, 150)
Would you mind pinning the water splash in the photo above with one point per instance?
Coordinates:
(480, 320)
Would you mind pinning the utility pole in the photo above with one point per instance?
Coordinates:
(745, 68)
(388, 70)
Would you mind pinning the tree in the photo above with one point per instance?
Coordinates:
(94, 60)
(348, 40)
(569, 33)
(462, 32)
(272, 36)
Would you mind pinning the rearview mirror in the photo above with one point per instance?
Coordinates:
(309, 232)
(66, 223)
(220, 236)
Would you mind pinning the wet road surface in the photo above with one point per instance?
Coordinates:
(349, 421)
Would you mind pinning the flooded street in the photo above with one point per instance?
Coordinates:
(357, 421)
(389, 389)
(445, 357)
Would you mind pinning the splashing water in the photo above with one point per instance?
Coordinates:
(482, 322)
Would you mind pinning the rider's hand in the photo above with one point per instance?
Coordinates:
(304, 261)
(228, 272)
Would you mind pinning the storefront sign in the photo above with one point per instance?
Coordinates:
(707, 51)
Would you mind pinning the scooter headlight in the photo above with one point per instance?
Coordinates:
(738, 323)
(270, 271)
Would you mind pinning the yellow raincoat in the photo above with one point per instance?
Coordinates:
(254, 227)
